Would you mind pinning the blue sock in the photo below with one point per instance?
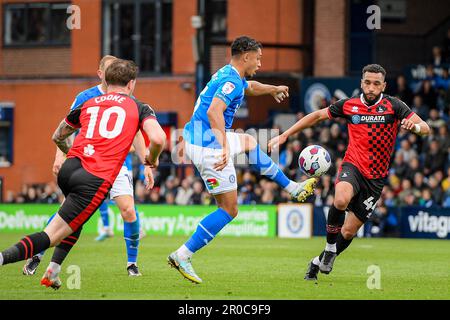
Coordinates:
(266, 167)
(104, 214)
(131, 236)
(48, 222)
(207, 229)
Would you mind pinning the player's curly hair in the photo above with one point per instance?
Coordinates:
(374, 68)
(244, 44)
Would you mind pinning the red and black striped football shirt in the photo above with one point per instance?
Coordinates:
(372, 131)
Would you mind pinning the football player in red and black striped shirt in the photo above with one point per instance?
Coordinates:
(108, 125)
(373, 120)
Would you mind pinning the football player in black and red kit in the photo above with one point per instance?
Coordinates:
(373, 120)
(108, 125)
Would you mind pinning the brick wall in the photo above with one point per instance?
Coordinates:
(330, 38)
(36, 62)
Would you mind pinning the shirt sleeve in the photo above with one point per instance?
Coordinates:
(79, 99)
(401, 109)
(145, 112)
(336, 109)
(73, 118)
(228, 91)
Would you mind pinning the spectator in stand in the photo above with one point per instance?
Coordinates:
(413, 167)
(430, 75)
(170, 186)
(31, 196)
(419, 107)
(286, 156)
(403, 91)
(10, 197)
(428, 94)
(443, 137)
(437, 58)
(335, 137)
(399, 167)
(435, 121)
(293, 168)
(407, 152)
(446, 182)
(170, 198)
(50, 194)
(426, 199)
(434, 158)
(443, 81)
(140, 194)
(155, 197)
(389, 198)
(197, 194)
(419, 181)
(325, 137)
(246, 195)
(416, 143)
(436, 190)
(184, 192)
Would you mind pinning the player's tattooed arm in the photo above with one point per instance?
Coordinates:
(61, 135)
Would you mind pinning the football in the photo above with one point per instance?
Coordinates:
(314, 161)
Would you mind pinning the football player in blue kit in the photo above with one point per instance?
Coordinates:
(211, 146)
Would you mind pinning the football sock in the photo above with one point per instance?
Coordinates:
(316, 261)
(342, 243)
(41, 254)
(335, 221)
(131, 236)
(26, 248)
(55, 267)
(104, 214)
(207, 229)
(184, 253)
(63, 249)
(266, 167)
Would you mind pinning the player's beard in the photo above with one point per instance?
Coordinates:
(371, 101)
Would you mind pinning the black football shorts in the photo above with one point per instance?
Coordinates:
(84, 193)
(366, 191)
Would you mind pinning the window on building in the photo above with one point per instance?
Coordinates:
(35, 24)
(6, 134)
(217, 9)
(140, 30)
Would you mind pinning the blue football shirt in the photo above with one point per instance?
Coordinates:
(227, 85)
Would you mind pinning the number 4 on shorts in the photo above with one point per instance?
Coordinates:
(369, 204)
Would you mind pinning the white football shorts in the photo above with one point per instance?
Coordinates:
(123, 185)
(216, 182)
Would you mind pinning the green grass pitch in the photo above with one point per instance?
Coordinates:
(242, 268)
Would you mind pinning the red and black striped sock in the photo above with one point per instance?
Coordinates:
(26, 248)
(335, 221)
(63, 249)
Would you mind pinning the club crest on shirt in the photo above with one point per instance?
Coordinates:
(381, 109)
(228, 88)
